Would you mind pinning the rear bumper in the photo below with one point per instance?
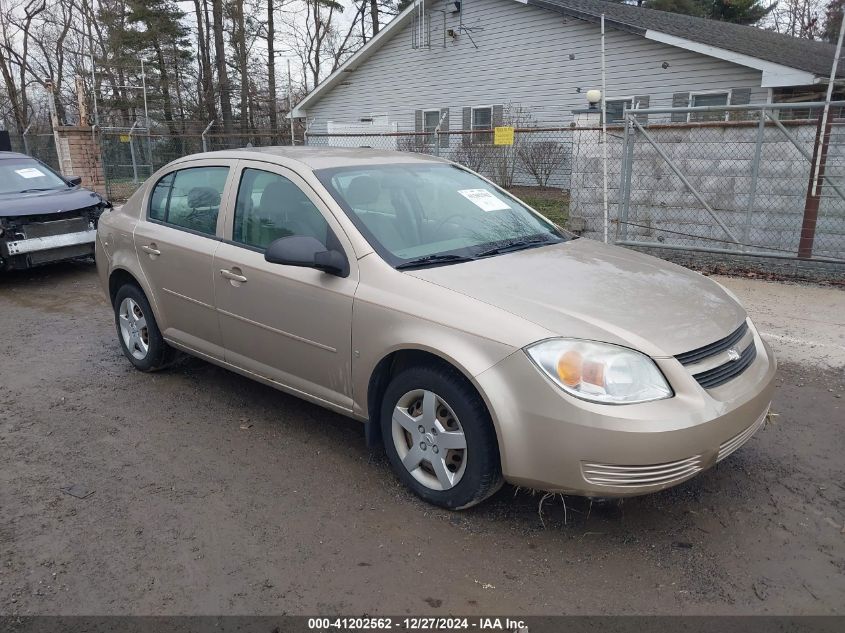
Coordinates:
(549, 440)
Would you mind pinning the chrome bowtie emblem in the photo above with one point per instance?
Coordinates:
(733, 354)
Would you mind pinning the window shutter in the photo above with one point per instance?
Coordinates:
(418, 121)
(680, 100)
(444, 127)
(498, 115)
(641, 102)
(740, 96)
(466, 126)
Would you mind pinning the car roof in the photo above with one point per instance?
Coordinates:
(13, 155)
(319, 157)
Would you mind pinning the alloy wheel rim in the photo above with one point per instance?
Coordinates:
(133, 328)
(429, 439)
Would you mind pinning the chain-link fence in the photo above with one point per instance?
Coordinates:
(131, 155)
(727, 181)
(745, 180)
(38, 144)
(732, 181)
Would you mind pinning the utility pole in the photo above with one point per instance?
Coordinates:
(290, 106)
(817, 167)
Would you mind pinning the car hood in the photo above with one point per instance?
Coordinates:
(586, 289)
(44, 202)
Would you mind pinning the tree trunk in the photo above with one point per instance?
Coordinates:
(165, 90)
(220, 60)
(240, 46)
(374, 16)
(206, 89)
(271, 70)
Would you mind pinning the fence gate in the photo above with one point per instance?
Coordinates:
(762, 180)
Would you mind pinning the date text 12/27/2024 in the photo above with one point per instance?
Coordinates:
(321, 625)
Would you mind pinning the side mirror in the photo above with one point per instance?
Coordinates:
(74, 181)
(306, 252)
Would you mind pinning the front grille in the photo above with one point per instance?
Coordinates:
(640, 476)
(55, 227)
(738, 440)
(723, 373)
(696, 355)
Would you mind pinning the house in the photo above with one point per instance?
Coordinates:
(460, 64)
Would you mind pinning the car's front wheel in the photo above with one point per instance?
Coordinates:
(138, 332)
(439, 437)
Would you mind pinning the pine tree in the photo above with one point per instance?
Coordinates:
(740, 11)
(159, 31)
(737, 11)
(833, 20)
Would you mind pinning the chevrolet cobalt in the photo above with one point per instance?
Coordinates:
(476, 340)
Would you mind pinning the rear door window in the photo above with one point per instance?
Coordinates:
(189, 198)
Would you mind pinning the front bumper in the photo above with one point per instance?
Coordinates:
(50, 242)
(549, 440)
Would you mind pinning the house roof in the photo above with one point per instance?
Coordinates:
(807, 55)
(745, 45)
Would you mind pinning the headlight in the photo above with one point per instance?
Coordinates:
(600, 372)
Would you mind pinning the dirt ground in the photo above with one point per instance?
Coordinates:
(211, 494)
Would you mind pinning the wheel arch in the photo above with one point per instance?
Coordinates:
(391, 364)
(120, 276)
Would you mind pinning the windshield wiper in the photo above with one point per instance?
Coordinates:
(433, 259)
(34, 190)
(516, 245)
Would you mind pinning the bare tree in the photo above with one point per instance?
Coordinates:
(223, 85)
(271, 66)
(798, 18)
(542, 158)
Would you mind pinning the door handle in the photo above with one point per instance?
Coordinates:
(234, 276)
(151, 249)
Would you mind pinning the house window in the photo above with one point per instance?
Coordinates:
(431, 119)
(709, 99)
(482, 125)
(614, 108)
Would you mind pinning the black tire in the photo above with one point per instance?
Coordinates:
(482, 475)
(159, 354)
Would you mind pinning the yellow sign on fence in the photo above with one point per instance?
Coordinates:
(503, 136)
(124, 138)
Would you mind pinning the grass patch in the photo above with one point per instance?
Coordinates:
(552, 203)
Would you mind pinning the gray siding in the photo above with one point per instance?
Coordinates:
(526, 56)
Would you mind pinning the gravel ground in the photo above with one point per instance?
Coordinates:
(211, 494)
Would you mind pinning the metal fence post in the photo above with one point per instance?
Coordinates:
(132, 152)
(755, 174)
(625, 179)
(203, 136)
(23, 138)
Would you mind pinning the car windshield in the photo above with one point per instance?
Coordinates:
(434, 213)
(18, 175)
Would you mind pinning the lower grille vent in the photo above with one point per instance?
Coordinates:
(640, 476)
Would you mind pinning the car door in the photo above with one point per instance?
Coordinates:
(288, 324)
(176, 239)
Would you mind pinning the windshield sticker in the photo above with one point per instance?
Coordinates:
(483, 199)
(30, 172)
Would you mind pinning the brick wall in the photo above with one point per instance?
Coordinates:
(79, 155)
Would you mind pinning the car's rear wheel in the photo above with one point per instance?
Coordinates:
(439, 437)
(138, 332)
